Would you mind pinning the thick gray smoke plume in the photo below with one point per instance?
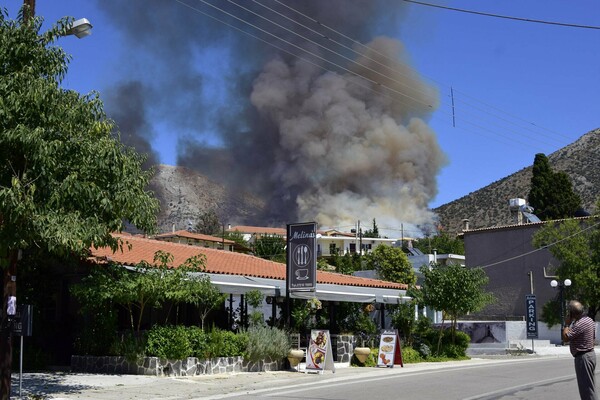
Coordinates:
(332, 142)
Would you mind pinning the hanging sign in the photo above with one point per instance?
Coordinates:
(390, 352)
(301, 257)
(319, 356)
(532, 324)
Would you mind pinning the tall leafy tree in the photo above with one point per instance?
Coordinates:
(454, 290)
(347, 264)
(270, 247)
(443, 243)
(576, 244)
(372, 233)
(66, 181)
(209, 223)
(551, 194)
(391, 264)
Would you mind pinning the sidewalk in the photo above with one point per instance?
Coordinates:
(61, 385)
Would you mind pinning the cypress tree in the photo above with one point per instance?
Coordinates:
(551, 194)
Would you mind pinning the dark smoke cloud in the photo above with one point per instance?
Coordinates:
(126, 105)
(317, 143)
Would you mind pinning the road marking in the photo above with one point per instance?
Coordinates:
(494, 394)
(368, 376)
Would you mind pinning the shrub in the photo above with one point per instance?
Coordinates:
(130, 345)
(266, 343)
(170, 342)
(458, 349)
(453, 351)
(410, 355)
(225, 344)
(424, 350)
(199, 342)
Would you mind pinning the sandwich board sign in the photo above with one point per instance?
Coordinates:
(319, 355)
(390, 352)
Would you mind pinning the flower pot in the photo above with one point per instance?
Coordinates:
(362, 353)
(295, 356)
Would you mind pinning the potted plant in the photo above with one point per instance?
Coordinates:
(295, 356)
(362, 352)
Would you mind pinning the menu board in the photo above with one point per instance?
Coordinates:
(319, 356)
(390, 353)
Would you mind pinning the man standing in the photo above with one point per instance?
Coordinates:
(581, 333)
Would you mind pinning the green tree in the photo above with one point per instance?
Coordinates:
(576, 244)
(149, 285)
(66, 181)
(443, 243)
(255, 299)
(270, 247)
(372, 233)
(209, 223)
(347, 264)
(391, 264)
(454, 290)
(186, 285)
(204, 295)
(237, 237)
(551, 194)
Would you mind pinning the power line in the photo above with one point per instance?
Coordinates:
(357, 43)
(538, 21)
(541, 248)
(482, 129)
(505, 135)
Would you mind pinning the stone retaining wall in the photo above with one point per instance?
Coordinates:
(344, 348)
(160, 367)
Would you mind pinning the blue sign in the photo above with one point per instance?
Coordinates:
(531, 317)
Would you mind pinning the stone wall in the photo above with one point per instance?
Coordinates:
(160, 367)
(344, 347)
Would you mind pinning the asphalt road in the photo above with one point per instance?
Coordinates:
(532, 379)
(525, 377)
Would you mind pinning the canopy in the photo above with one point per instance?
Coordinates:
(240, 284)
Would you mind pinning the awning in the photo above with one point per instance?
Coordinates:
(240, 284)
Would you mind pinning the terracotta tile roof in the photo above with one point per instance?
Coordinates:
(258, 230)
(195, 236)
(222, 262)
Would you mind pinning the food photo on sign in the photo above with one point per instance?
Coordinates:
(317, 349)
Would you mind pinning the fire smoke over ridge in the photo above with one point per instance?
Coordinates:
(316, 142)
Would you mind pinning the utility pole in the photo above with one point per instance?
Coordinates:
(29, 9)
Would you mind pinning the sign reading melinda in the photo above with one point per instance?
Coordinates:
(302, 256)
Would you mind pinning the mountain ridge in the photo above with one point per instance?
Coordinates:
(488, 206)
(184, 193)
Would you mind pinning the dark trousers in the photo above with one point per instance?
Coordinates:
(585, 365)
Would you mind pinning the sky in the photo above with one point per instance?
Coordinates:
(474, 99)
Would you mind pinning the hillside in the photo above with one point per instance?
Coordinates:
(488, 206)
(184, 194)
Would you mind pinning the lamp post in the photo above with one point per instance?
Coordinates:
(561, 288)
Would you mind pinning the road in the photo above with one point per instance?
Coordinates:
(522, 377)
(540, 378)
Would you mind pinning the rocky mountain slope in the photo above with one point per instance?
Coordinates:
(488, 206)
(184, 194)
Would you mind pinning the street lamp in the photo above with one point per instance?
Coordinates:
(80, 28)
(561, 287)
